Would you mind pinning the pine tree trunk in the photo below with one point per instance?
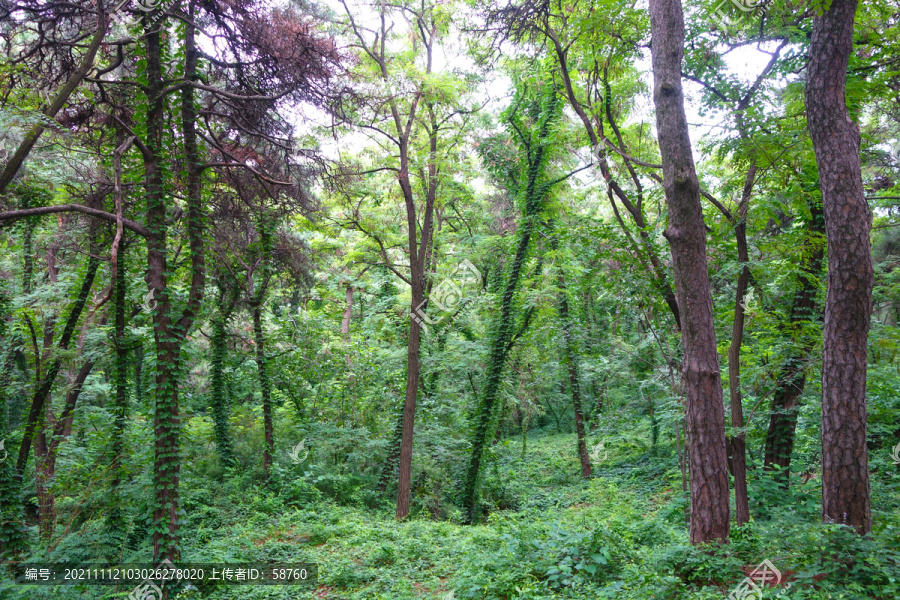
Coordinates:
(687, 237)
(836, 139)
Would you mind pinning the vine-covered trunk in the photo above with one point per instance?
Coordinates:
(534, 192)
(791, 378)
(687, 237)
(35, 421)
(13, 538)
(390, 463)
(120, 404)
(219, 400)
(848, 305)
(265, 387)
(169, 330)
(571, 361)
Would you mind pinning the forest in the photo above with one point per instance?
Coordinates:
(450, 299)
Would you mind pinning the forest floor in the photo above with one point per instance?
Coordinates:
(621, 534)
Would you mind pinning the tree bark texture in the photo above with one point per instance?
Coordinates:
(687, 236)
(848, 304)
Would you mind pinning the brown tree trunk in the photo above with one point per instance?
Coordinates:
(35, 422)
(792, 376)
(737, 445)
(571, 361)
(848, 305)
(46, 452)
(169, 329)
(687, 236)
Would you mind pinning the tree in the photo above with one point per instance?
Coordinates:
(530, 119)
(687, 237)
(848, 305)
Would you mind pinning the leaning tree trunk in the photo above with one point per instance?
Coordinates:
(35, 421)
(534, 194)
(687, 236)
(848, 305)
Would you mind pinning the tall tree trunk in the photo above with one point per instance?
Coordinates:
(571, 361)
(46, 451)
(791, 378)
(737, 444)
(687, 236)
(390, 463)
(120, 405)
(219, 399)
(169, 329)
(848, 305)
(534, 194)
(265, 386)
(418, 257)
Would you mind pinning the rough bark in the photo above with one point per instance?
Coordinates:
(848, 305)
(687, 237)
